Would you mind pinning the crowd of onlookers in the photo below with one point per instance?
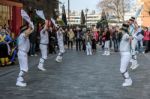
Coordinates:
(112, 34)
(8, 47)
(81, 39)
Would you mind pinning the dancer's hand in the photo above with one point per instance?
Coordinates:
(46, 22)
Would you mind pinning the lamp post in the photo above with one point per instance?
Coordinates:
(123, 10)
(86, 12)
(68, 12)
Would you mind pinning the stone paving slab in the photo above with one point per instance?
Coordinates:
(79, 77)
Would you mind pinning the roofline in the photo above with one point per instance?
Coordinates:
(11, 3)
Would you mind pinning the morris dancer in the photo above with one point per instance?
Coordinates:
(125, 55)
(60, 44)
(23, 49)
(43, 46)
(132, 30)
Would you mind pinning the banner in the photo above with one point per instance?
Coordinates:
(138, 34)
(40, 13)
(53, 21)
(26, 17)
(138, 12)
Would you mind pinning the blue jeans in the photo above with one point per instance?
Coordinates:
(140, 47)
(116, 46)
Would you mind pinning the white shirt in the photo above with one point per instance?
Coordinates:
(60, 37)
(125, 44)
(44, 37)
(60, 41)
(23, 43)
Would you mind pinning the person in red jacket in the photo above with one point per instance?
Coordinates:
(147, 40)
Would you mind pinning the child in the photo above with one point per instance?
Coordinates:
(107, 43)
(88, 43)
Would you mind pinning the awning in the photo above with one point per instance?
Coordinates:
(11, 3)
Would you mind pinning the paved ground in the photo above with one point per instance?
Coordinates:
(78, 77)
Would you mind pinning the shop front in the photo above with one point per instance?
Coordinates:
(10, 13)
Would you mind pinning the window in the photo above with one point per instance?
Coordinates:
(5, 14)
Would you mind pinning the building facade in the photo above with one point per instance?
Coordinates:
(145, 15)
(91, 18)
(10, 13)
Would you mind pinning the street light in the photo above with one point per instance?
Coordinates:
(86, 12)
(68, 11)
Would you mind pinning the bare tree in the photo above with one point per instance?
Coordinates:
(116, 8)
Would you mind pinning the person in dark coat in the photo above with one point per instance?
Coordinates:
(32, 39)
(78, 36)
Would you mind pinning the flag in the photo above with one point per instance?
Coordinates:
(138, 12)
(64, 15)
(53, 21)
(31, 25)
(26, 17)
(40, 13)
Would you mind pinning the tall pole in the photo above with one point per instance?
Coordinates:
(123, 9)
(86, 12)
(68, 12)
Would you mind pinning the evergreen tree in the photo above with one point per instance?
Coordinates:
(64, 15)
(102, 24)
(82, 18)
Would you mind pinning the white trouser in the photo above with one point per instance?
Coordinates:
(107, 44)
(125, 59)
(133, 51)
(88, 49)
(133, 46)
(107, 47)
(61, 47)
(23, 61)
(61, 52)
(44, 52)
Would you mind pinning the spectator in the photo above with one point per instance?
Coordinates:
(52, 41)
(32, 39)
(78, 36)
(94, 40)
(107, 42)
(114, 39)
(147, 40)
(103, 39)
(4, 48)
(88, 42)
(66, 37)
(70, 38)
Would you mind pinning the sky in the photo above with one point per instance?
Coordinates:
(81, 4)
